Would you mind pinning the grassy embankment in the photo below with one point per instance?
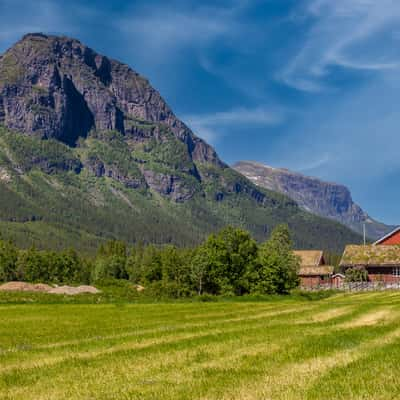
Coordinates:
(343, 347)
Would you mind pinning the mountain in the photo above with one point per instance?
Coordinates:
(325, 199)
(90, 151)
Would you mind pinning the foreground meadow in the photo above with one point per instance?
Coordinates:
(343, 347)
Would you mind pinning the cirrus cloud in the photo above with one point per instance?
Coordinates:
(354, 34)
(213, 126)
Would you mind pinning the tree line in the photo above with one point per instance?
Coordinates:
(228, 263)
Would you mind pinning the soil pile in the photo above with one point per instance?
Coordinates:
(25, 287)
(72, 290)
(42, 287)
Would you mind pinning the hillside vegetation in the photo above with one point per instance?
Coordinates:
(90, 151)
(50, 198)
(345, 347)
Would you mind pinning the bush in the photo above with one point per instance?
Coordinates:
(207, 298)
(356, 274)
(8, 260)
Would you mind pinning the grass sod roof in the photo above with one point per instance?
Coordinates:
(309, 258)
(380, 256)
(316, 271)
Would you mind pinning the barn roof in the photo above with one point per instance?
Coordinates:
(380, 256)
(316, 271)
(309, 258)
(390, 234)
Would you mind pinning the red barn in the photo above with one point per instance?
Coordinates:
(392, 238)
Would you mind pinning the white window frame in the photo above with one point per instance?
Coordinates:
(396, 272)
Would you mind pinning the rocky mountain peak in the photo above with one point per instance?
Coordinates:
(56, 87)
(326, 199)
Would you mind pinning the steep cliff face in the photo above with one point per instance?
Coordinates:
(88, 147)
(325, 199)
(56, 87)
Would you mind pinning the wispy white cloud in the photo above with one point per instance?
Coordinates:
(314, 164)
(212, 127)
(356, 34)
(166, 30)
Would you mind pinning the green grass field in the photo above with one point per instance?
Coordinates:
(342, 347)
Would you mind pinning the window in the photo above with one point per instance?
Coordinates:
(396, 271)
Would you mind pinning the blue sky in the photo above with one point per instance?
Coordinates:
(310, 85)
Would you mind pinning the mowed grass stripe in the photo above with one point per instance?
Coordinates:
(96, 320)
(375, 373)
(139, 339)
(99, 363)
(238, 357)
(244, 375)
(165, 325)
(292, 380)
(130, 321)
(142, 362)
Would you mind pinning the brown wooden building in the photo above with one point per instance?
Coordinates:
(382, 262)
(313, 270)
(392, 238)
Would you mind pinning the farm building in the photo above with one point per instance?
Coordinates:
(313, 271)
(391, 238)
(382, 262)
(337, 280)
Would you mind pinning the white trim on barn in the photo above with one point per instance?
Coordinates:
(338, 276)
(382, 239)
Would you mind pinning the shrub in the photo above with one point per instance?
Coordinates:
(356, 274)
(8, 260)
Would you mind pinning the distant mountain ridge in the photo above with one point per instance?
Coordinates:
(325, 199)
(89, 151)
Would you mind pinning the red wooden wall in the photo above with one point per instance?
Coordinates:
(394, 239)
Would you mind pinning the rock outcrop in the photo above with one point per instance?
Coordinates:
(57, 88)
(325, 199)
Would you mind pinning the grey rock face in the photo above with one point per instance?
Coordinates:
(321, 198)
(56, 87)
(169, 185)
(99, 169)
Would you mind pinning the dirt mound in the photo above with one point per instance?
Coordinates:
(71, 290)
(42, 287)
(25, 287)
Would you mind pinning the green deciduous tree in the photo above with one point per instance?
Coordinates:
(223, 264)
(278, 266)
(32, 266)
(111, 261)
(8, 260)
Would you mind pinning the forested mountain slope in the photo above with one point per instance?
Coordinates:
(90, 151)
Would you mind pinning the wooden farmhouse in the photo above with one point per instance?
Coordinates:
(313, 270)
(382, 262)
(392, 238)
